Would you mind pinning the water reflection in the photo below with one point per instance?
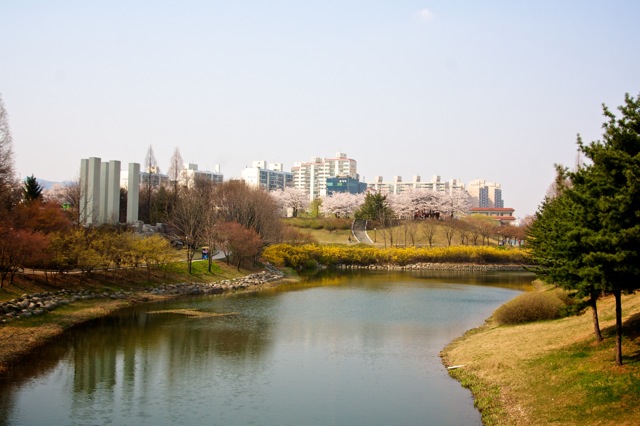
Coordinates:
(357, 348)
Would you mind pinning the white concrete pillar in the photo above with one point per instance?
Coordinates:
(133, 192)
(84, 185)
(113, 193)
(93, 191)
(104, 181)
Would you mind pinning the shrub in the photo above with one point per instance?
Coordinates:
(331, 255)
(529, 307)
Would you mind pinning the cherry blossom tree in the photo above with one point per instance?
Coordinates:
(456, 202)
(341, 204)
(417, 203)
(291, 198)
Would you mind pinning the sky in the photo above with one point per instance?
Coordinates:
(494, 90)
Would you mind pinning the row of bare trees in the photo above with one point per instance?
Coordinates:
(469, 230)
(231, 217)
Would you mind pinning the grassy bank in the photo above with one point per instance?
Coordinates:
(553, 372)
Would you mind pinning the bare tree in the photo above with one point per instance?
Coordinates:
(238, 242)
(187, 221)
(251, 207)
(8, 181)
(429, 229)
(449, 227)
(176, 165)
(150, 182)
(410, 230)
(68, 195)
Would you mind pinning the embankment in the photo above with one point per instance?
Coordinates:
(553, 372)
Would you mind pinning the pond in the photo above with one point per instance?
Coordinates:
(347, 349)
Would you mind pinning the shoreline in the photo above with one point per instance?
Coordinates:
(18, 339)
(502, 366)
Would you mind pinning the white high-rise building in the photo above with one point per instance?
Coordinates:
(485, 194)
(397, 186)
(190, 173)
(311, 176)
(270, 177)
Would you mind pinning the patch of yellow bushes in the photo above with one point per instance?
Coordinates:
(332, 255)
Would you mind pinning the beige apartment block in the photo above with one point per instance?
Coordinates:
(397, 186)
(485, 194)
(311, 177)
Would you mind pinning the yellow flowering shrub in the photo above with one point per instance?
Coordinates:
(334, 255)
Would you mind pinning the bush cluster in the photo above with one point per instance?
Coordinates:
(333, 255)
(536, 306)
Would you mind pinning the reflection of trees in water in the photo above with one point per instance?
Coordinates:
(123, 351)
(124, 354)
(380, 279)
(163, 344)
(40, 362)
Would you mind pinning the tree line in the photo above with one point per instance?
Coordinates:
(585, 235)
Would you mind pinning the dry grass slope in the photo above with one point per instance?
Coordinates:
(553, 372)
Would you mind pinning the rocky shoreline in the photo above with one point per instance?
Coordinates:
(30, 305)
(439, 267)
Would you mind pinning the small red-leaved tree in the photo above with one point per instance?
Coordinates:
(238, 243)
(20, 249)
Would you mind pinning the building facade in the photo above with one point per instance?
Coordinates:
(397, 186)
(345, 184)
(270, 177)
(502, 214)
(485, 194)
(190, 174)
(311, 177)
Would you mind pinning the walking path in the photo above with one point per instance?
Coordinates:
(359, 231)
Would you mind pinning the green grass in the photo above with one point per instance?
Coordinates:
(553, 372)
(486, 398)
(597, 391)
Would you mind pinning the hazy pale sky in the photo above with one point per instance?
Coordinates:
(496, 90)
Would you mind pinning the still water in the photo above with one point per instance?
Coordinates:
(352, 349)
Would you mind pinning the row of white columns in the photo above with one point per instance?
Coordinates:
(100, 191)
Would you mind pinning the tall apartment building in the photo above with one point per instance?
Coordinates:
(345, 184)
(397, 186)
(311, 176)
(270, 177)
(485, 194)
(152, 178)
(190, 173)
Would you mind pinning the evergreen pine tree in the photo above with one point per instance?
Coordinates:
(31, 189)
